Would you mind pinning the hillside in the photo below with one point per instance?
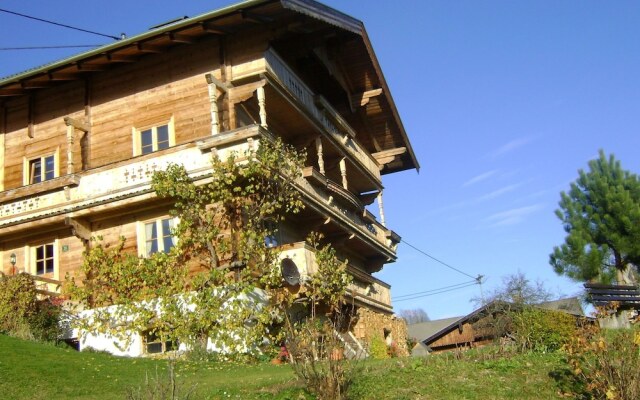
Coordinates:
(40, 371)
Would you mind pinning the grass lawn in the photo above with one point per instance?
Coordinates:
(39, 371)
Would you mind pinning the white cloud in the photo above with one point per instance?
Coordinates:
(480, 178)
(509, 147)
(513, 216)
(499, 192)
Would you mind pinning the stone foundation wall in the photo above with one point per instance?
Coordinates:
(388, 327)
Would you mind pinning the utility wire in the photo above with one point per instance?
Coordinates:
(49, 47)
(477, 278)
(434, 290)
(440, 292)
(59, 24)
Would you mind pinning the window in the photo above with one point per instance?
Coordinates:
(44, 259)
(154, 343)
(153, 138)
(41, 169)
(157, 236)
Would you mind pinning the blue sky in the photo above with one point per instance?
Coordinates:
(503, 101)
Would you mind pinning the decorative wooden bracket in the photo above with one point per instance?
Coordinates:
(362, 99)
(79, 228)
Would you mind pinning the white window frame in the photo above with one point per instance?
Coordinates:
(31, 258)
(27, 162)
(137, 139)
(141, 229)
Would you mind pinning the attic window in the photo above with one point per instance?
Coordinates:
(148, 139)
(40, 169)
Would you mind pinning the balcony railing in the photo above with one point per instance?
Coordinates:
(316, 186)
(365, 287)
(321, 111)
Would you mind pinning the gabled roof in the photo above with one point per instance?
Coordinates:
(227, 21)
(428, 332)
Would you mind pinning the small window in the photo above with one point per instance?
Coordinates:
(158, 236)
(155, 344)
(153, 138)
(41, 169)
(44, 259)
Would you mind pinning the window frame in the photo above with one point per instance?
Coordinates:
(143, 239)
(28, 162)
(55, 259)
(166, 346)
(136, 133)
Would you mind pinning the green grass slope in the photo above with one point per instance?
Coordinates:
(31, 370)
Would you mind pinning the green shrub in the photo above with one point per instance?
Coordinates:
(536, 329)
(22, 314)
(378, 348)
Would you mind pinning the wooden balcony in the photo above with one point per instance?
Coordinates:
(348, 208)
(364, 289)
(115, 185)
(316, 107)
(47, 287)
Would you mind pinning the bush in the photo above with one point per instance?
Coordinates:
(604, 364)
(378, 348)
(22, 314)
(535, 329)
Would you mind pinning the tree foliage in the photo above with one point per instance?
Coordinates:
(209, 284)
(23, 314)
(519, 290)
(601, 215)
(414, 315)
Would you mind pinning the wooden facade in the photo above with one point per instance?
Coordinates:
(74, 161)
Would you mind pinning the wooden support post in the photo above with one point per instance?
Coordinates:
(213, 101)
(343, 173)
(320, 155)
(3, 132)
(70, 140)
(263, 108)
(72, 125)
(381, 209)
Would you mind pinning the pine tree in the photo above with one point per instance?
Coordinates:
(601, 215)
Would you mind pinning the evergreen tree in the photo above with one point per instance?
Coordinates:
(601, 215)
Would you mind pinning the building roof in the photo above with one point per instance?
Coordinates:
(569, 305)
(428, 332)
(427, 329)
(360, 63)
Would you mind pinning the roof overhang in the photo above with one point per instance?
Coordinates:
(222, 22)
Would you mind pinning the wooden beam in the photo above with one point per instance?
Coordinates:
(121, 58)
(83, 126)
(79, 228)
(213, 28)
(387, 156)
(149, 48)
(60, 76)
(83, 67)
(219, 84)
(178, 38)
(36, 84)
(255, 17)
(362, 99)
(12, 92)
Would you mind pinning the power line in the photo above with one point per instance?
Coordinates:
(434, 290)
(440, 292)
(477, 278)
(49, 47)
(59, 24)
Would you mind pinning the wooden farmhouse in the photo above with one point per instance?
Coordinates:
(80, 139)
(481, 327)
